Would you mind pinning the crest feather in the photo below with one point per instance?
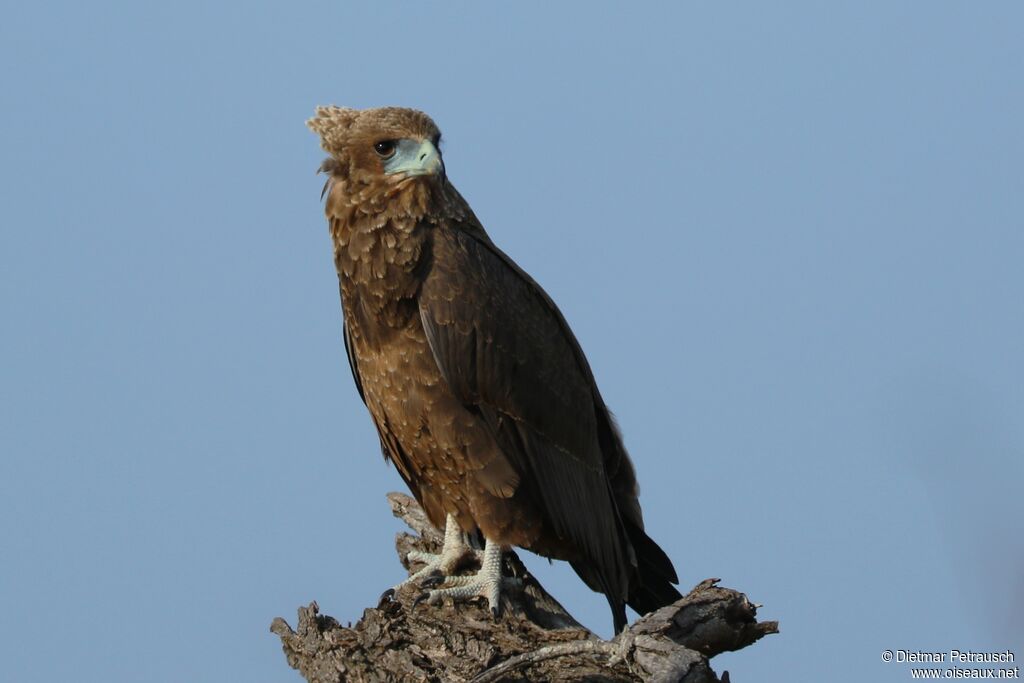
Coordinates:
(330, 123)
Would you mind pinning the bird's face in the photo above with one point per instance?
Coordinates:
(380, 147)
(409, 156)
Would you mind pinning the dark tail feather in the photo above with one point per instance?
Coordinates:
(650, 596)
(653, 589)
(618, 614)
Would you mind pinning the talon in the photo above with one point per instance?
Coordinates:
(434, 567)
(437, 582)
(433, 581)
(386, 595)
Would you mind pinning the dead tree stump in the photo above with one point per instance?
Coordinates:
(535, 639)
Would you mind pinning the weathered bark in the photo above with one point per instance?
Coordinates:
(534, 639)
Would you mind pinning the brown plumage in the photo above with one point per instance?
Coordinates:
(479, 391)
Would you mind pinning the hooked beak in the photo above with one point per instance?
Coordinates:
(415, 158)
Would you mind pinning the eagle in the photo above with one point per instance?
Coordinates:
(479, 391)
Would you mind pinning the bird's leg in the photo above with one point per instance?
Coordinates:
(487, 583)
(453, 553)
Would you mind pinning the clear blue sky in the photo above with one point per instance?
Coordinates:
(789, 239)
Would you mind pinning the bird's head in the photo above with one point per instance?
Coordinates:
(378, 150)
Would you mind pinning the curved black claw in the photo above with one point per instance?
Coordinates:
(420, 598)
(496, 611)
(386, 595)
(433, 581)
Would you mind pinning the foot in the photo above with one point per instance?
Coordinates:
(487, 583)
(438, 566)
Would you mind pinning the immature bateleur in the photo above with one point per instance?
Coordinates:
(480, 393)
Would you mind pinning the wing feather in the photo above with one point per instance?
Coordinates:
(390, 448)
(505, 350)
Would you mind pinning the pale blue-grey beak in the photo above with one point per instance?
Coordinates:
(414, 157)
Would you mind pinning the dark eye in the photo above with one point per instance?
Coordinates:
(385, 148)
